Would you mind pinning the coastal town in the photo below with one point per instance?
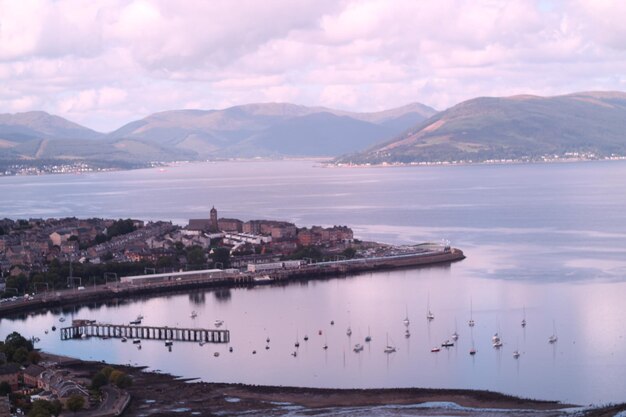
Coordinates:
(29, 249)
(49, 263)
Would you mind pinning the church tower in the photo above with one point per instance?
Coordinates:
(213, 226)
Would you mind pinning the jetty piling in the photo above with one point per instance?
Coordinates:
(145, 332)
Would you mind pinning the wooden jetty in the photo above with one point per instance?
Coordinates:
(90, 329)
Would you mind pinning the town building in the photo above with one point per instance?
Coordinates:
(32, 374)
(10, 373)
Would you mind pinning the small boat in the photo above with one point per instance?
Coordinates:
(524, 318)
(230, 349)
(54, 328)
(254, 352)
(294, 353)
(319, 332)
(332, 322)
(471, 322)
(429, 314)
(496, 341)
(554, 338)
(193, 315)
(168, 343)
(407, 333)
(216, 354)
(46, 331)
(267, 340)
(447, 343)
(84, 336)
(267, 347)
(358, 347)
(406, 318)
(349, 331)
(135, 322)
(368, 338)
(138, 347)
(297, 344)
(516, 354)
(61, 319)
(389, 348)
(218, 323)
(325, 346)
(140, 317)
(435, 349)
(306, 338)
(202, 343)
(472, 351)
(455, 336)
(136, 341)
(124, 339)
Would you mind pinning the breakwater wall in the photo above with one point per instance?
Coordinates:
(54, 299)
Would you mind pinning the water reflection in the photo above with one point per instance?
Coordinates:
(590, 334)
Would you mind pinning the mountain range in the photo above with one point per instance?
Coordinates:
(518, 127)
(252, 130)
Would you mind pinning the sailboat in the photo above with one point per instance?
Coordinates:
(554, 338)
(407, 333)
(496, 341)
(297, 344)
(193, 314)
(349, 331)
(455, 335)
(368, 338)
(471, 320)
(524, 319)
(389, 348)
(429, 314)
(516, 354)
(406, 318)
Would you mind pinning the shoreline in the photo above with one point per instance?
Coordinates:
(156, 394)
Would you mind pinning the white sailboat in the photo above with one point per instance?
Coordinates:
(406, 318)
(429, 314)
(389, 348)
(496, 341)
(471, 320)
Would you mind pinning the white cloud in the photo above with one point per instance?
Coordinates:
(106, 62)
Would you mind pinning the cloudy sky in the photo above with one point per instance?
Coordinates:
(105, 63)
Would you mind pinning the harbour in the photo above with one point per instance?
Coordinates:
(530, 257)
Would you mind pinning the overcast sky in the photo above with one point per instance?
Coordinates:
(105, 63)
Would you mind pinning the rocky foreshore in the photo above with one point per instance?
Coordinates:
(158, 394)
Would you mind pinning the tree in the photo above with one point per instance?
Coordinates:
(115, 375)
(124, 381)
(34, 357)
(195, 257)
(20, 355)
(107, 371)
(75, 403)
(13, 343)
(98, 381)
(349, 253)
(221, 255)
(43, 408)
(5, 388)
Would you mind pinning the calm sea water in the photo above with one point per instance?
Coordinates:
(549, 240)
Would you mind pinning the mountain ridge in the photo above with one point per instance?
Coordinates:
(516, 127)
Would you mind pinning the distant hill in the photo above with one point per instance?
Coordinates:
(511, 128)
(269, 129)
(251, 130)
